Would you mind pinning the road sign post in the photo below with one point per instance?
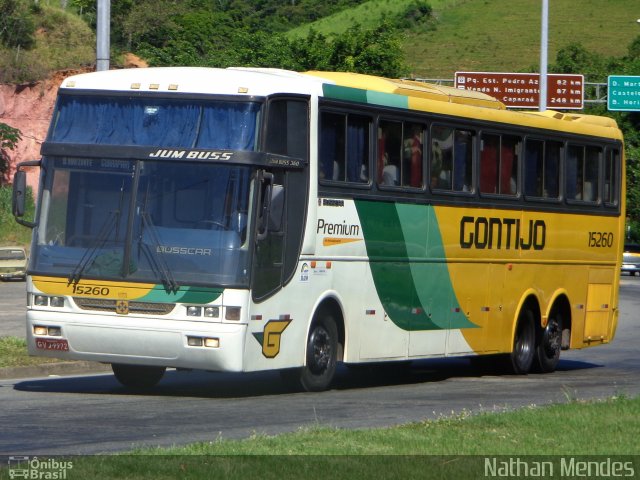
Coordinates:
(522, 90)
(623, 93)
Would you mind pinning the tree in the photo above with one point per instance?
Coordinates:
(9, 138)
(16, 25)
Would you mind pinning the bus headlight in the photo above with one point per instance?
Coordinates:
(41, 300)
(212, 312)
(56, 302)
(193, 311)
(45, 301)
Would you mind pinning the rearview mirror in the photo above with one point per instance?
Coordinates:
(18, 199)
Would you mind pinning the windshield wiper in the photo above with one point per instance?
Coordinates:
(158, 264)
(112, 222)
(89, 255)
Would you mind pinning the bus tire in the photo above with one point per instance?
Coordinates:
(137, 376)
(524, 343)
(322, 355)
(549, 344)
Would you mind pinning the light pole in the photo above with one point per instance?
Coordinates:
(544, 43)
(103, 32)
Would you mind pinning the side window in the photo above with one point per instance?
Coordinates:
(451, 159)
(399, 161)
(288, 128)
(582, 173)
(499, 164)
(611, 169)
(542, 168)
(344, 147)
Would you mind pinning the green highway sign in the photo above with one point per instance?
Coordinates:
(623, 93)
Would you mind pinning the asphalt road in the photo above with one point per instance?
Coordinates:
(93, 414)
(13, 298)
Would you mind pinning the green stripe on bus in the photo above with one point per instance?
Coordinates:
(197, 295)
(344, 93)
(387, 99)
(407, 262)
(364, 96)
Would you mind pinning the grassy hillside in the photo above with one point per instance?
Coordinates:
(368, 14)
(62, 40)
(498, 35)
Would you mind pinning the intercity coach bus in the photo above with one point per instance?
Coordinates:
(255, 219)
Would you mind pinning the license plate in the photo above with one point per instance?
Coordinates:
(49, 344)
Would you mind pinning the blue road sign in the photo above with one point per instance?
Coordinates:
(623, 93)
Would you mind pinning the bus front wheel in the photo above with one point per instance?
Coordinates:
(524, 343)
(322, 357)
(137, 376)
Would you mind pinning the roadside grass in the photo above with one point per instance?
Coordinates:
(13, 353)
(449, 447)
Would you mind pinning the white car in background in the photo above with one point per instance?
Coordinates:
(13, 263)
(631, 259)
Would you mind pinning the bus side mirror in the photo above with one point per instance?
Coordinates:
(264, 207)
(271, 206)
(19, 192)
(277, 208)
(18, 199)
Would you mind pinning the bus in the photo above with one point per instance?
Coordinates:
(244, 220)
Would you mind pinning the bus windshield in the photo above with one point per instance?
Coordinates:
(170, 223)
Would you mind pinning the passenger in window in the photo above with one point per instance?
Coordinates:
(578, 194)
(413, 154)
(390, 172)
(436, 163)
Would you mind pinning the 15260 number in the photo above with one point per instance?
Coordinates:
(90, 290)
(600, 239)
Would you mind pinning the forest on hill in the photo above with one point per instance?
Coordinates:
(393, 38)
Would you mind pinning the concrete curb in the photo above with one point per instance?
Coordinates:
(49, 369)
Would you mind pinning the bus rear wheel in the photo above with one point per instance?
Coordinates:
(549, 345)
(137, 376)
(524, 343)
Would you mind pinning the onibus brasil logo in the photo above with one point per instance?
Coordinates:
(40, 469)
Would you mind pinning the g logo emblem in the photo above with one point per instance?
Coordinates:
(270, 337)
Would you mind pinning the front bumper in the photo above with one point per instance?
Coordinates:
(136, 341)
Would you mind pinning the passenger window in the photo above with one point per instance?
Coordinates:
(451, 159)
(499, 164)
(582, 173)
(344, 147)
(288, 128)
(542, 168)
(611, 168)
(399, 161)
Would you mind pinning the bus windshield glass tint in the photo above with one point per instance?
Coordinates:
(148, 221)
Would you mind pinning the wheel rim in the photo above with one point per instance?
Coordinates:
(321, 350)
(552, 339)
